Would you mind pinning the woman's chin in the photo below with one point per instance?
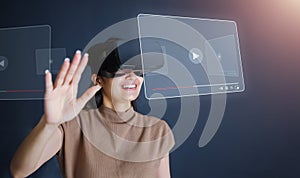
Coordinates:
(130, 98)
(130, 95)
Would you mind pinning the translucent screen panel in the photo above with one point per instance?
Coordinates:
(201, 56)
(22, 65)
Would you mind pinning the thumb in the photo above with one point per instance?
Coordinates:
(87, 95)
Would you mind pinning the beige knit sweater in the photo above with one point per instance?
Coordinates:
(102, 143)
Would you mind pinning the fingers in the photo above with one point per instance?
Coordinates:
(62, 73)
(71, 72)
(88, 95)
(48, 81)
(72, 68)
(80, 69)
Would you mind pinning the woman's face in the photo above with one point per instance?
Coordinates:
(124, 87)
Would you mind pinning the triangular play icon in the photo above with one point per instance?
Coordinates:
(2, 63)
(195, 55)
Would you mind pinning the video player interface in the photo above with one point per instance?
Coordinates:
(200, 56)
(21, 65)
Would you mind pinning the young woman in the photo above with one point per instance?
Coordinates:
(110, 141)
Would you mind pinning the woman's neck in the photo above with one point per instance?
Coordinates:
(117, 106)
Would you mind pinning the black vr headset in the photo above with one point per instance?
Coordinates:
(124, 58)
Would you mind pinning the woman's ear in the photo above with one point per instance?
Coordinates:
(96, 80)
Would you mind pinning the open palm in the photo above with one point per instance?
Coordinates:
(61, 103)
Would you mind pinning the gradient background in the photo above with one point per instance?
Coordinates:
(260, 133)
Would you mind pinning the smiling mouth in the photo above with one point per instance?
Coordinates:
(129, 86)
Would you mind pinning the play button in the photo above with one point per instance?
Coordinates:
(196, 55)
(3, 63)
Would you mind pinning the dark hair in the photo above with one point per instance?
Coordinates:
(98, 98)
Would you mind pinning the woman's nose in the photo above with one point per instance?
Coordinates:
(131, 75)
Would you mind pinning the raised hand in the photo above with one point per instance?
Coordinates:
(61, 103)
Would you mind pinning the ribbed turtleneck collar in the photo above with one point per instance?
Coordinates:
(115, 116)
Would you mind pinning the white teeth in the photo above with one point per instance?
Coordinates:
(129, 86)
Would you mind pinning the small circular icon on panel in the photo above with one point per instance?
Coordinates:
(196, 55)
(3, 63)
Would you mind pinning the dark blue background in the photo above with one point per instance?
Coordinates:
(260, 133)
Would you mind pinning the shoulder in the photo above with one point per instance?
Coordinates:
(150, 121)
(157, 127)
(74, 124)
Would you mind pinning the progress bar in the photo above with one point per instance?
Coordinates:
(21, 91)
(194, 86)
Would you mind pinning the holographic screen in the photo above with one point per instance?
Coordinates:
(200, 56)
(25, 54)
